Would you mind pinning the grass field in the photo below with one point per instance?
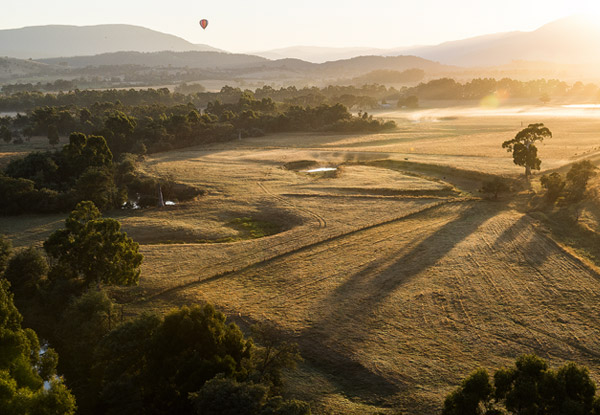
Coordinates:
(394, 276)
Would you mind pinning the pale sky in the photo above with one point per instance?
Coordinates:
(256, 25)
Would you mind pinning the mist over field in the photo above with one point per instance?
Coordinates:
(407, 223)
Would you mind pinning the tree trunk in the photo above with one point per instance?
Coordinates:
(161, 201)
(527, 168)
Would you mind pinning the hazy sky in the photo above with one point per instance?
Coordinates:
(246, 25)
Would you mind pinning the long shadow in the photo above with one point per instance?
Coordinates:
(289, 253)
(368, 288)
(529, 246)
(511, 233)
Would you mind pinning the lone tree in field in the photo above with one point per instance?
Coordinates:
(524, 149)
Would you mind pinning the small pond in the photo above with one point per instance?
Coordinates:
(320, 169)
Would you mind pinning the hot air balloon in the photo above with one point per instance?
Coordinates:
(203, 23)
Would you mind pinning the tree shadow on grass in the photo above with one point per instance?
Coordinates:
(359, 296)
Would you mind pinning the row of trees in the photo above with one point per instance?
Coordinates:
(448, 88)
(184, 94)
(58, 85)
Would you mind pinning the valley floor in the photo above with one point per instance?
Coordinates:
(393, 274)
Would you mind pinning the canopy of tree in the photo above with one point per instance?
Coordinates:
(523, 148)
(94, 249)
(152, 364)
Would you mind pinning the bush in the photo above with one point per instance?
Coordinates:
(25, 272)
(495, 187)
(577, 179)
(554, 183)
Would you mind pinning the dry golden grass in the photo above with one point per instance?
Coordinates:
(393, 279)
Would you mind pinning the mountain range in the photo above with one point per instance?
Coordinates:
(566, 49)
(571, 40)
(250, 64)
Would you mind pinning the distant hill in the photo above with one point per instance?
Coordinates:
(317, 54)
(203, 60)
(572, 40)
(57, 40)
(364, 64)
(11, 68)
(254, 64)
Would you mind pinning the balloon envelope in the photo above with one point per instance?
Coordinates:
(203, 23)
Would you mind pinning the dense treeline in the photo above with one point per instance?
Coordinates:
(159, 125)
(25, 97)
(58, 85)
(367, 94)
(447, 88)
